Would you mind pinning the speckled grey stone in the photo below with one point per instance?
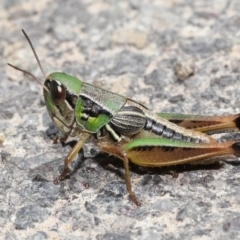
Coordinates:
(129, 62)
(40, 236)
(28, 215)
(114, 236)
(129, 47)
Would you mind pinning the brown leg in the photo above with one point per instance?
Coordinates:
(128, 182)
(71, 155)
(118, 151)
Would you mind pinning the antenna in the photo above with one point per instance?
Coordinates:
(38, 61)
(19, 69)
(34, 52)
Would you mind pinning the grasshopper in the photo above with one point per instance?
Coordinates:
(128, 130)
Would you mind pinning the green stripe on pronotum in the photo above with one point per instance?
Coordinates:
(126, 129)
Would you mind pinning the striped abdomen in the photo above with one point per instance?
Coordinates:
(162, 127)
(129, 120)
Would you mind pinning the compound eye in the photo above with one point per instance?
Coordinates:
(58, 92)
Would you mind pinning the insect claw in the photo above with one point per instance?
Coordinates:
(55, 139)
(58, 139)
(56, 181)
(134, 198)
(174, 174)
(62, 176)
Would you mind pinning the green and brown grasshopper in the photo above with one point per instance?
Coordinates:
(126, 129)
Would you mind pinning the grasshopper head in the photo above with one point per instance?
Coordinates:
(61, 94)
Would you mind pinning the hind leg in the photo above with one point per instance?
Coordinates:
(117, 150)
